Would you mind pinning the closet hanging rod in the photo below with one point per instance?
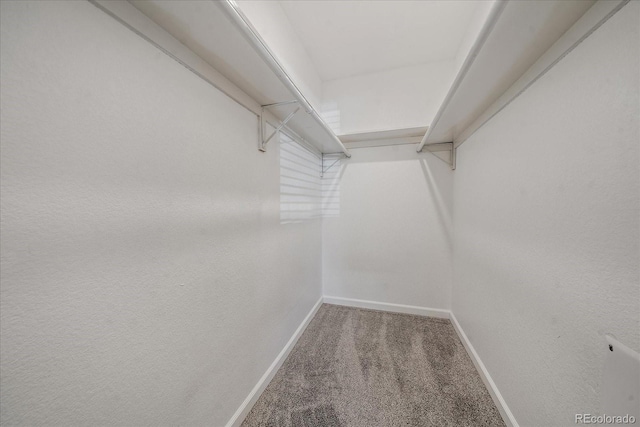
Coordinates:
(239, 19)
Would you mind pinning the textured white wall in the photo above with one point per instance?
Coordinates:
(393, 99)
(392, 239)
(146, 279)
(546, 217)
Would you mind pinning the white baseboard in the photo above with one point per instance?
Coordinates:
(251, 399)
(507, 416)
(394, 308)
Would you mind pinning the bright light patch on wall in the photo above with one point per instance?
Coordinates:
(331, 116)
(300, 183)
(331, 185)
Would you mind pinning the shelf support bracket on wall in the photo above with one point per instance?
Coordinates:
(239, 19)
(263, 140)
(324, 170)
(454, 153)
(443, 146)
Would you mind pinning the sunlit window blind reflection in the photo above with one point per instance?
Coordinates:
(300, 183)
(331, 186)
(331, 116)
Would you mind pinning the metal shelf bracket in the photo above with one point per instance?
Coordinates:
(443, 146)
(283, 124)
(324, 170)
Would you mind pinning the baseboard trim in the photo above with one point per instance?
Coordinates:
(384, 306)
(251, 399)
(506, 413)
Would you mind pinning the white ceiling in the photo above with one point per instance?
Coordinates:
(347, 38)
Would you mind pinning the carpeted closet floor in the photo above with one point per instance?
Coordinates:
(365, 368)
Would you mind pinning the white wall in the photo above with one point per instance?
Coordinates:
(394, 99)
(546, 217)
(146, 279)
(391, 241)
(271, 22)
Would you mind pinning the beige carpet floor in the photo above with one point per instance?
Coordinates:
(364, 368)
